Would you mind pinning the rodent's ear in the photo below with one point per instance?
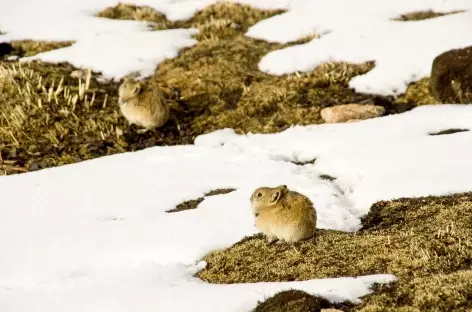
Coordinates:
(136, 89)
(276, 196)
(282, 188)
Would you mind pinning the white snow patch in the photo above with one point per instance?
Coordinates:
(151, 287)
(114, 47)
(378, 159)
(95, 236)
(115, 208)
(357, 31)
(147, 50)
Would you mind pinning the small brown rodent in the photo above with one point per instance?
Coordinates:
(283, 214)
(142, 105)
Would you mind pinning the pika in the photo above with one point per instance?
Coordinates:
(282, 214)
(142, 105)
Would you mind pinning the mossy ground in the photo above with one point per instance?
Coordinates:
(213, 85)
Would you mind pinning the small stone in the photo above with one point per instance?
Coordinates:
(33, 166)
(79, 73)
(12, 153)
(451, 76)
(351, 112)
(235, 25)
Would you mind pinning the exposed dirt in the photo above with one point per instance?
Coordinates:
(449, 131)
(422, 15)
(193, 203)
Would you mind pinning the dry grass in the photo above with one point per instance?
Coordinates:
(425, 242)
(297, 301)
(417, 94)
(422, 15)
(24, 48)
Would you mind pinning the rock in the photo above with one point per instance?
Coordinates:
(34, 166)
(5, 48)
(351, 112)
(80, 73)
(451, 76)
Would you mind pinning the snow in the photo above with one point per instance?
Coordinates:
(115, 48)
(96, 235)
(351, 31)
(377, 159)
(150, 287)
(159, 45)
(363, 30)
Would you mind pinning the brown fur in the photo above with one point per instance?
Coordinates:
(142, 105)
(283, 214)
(451, 76)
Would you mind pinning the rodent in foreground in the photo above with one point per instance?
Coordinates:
(142, 105)
(283, 214)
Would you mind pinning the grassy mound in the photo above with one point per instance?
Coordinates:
(297, 301)
(423, 241)
(49, 119)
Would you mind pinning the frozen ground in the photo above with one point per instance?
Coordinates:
(95, 235)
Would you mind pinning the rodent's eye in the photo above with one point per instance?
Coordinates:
(259, 194)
